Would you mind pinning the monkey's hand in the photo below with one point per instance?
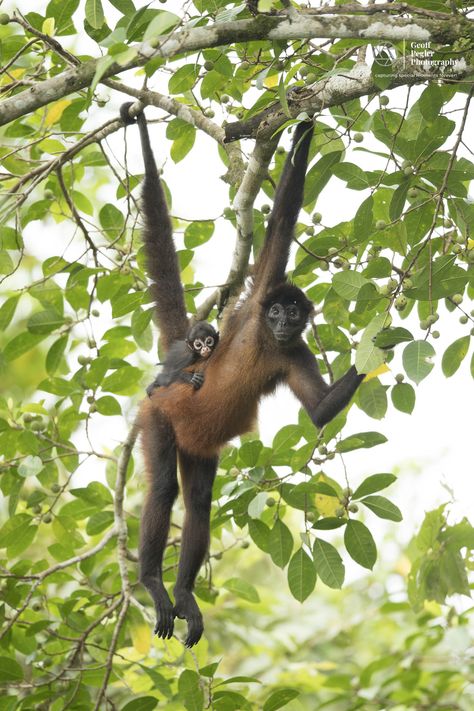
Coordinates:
(186, 608)
(197, 380)
(164, 615)
(150, 388)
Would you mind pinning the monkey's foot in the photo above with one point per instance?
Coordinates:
(165, 619)
(186, 608)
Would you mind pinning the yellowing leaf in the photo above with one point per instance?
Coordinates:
(141, 638)
(271, 82)
(326, 505)
(378, 371)
(55, 111)
(48, 27)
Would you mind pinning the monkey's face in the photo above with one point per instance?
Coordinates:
(203, 347)
(285, 321)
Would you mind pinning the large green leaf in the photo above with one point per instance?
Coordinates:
(280, 543)
(382, 507)
(360, 544)
(417, 360)
(374, 482)
(328, 563)
(301, 575)
(454, 355)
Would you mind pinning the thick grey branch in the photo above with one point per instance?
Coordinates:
(378, 26)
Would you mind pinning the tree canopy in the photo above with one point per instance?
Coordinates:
(389, 88)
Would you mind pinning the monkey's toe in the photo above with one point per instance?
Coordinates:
(195, 630)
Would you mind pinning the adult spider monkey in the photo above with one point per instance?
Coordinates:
(260, 347)
(199, 345)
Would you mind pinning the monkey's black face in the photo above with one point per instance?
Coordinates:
(286, 321)
(202, 339)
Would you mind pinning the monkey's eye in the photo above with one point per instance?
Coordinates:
(275, 310)
(293, 314)
(209, 341)
(197, 344)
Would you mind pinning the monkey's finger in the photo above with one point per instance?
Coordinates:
(195, 630)
(165, 625)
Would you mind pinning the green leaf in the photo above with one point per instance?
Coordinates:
(7, 311)
(328, 563)
(95, 13)
(417, 360)
(390, 337)
(190, 690)
(30, 466)
(99, 522)
(10, 670)
(112, 221)
(43, 322)
(348, 284)
(319, 176)
(197, 233)
(280, 543)
(374, 482)
(439, 279)
(183, 79)
(397, 202)
(368, 356)
(161, 23)
(372, 399)
(360, 544)
(354, 176)
(108, 406)
(382, 507)
(363, 220)
(301, 575)
(63, 11)
(280, 698)
(21, 344)
(361, 440)
(55, 354)
(260, 534)
(454, 355)
(123, 379)
(142, 703)
(242, 589)
(403, 397)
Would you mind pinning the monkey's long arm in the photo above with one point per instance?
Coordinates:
(162, 261)
(320, 400)
(271, 264)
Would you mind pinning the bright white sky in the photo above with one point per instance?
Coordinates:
(432, 447)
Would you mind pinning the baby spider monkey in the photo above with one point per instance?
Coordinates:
(201, 341)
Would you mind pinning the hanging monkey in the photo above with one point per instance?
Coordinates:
(260, 347)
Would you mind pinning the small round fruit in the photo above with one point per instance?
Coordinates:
(380, 225)
(4, 18)
(82, 360)
(339, 512)
(225, 99)
(347, 491)
(392, 284)
(55, 488)
(265, 209)
(353, 508)
(280, 151)
(37, 509)
(48, 194)
(353, 329)
(470, 256)
(47, 518)
(399, 377)
(456, 298)
(90, 399)
(37, 426)
(270, 501)
(311, 516)
(463, 319)
(93, 408)
(435, 334)
(331, 455)
(304, 71)
(413, 193)
(36, 606)
(424, 324)
(407, 283)
(316, 219)
(324, 266)
(91, 343)
(323, 449)
(95, 312)
(457, 249)
(384, 100)
(432, 318)
(209, 113)
(405, 164)
(401, 302)
(208, 65)
(309, 230)
(409, 170)
(358, 137)
(244, 544)
(218, 556)
(28, 417)
(244, 65)
(332, 250)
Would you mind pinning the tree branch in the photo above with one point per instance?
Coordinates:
(379, 26)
